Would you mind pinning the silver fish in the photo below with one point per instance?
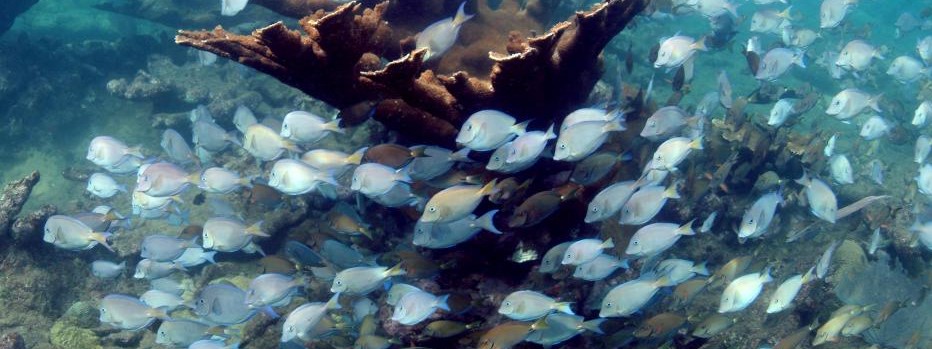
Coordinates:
(127, 313)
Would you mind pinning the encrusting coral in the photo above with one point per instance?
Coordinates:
(338, 60)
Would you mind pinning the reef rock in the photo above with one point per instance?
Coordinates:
(13, 198)
(12, 341)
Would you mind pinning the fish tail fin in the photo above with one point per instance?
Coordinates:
(488, 188)
(356, 157)
(696, 143)
(809, 275)
(122, 188)
(395, 271)
(401, 175)
(701, 269)
(686, 229)
(177, 199)
(800, 58)
(765, 275)
(334, 126)
(540, 324)
(874, 102)
(256, 230)
(270, 312)
(563, 307)
(607, 244)
(700, 44)
(334, 302)
(461, 155)
(785, 14)
(290, 146)
(550, 134)
(442, 302)
(179, 266)
(663, 281)
(614, 125)
(520, 128)
(593, 325)
(159, 313)
(671, 192)
(122, 265)
(101, 238)
(461, 16)
(209, 256)
(135, 151)
(804, 180)
(487, 222)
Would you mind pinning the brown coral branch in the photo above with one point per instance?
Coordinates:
(13, 198)
(337, 61)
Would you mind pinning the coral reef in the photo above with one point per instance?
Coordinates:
(28, 228)
(65, 335)
(12, 341)
(337, 60)
(872, 285)
(10, 9)
(906, 328)
(12, 199)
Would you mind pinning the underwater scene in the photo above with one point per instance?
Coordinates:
(492, 174)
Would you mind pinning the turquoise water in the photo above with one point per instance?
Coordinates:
(71, 71)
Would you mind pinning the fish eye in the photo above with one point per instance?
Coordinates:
(636, 242)
(469, 127)
(608, 305)
(432, 209)
(595, 210)
(507, 303)
(285, 126)
(563, 146)
(339, 283)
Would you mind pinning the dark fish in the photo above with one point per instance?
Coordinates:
(276, 264)
(660, 326)
(264, 195)
(191, 231)
(753, 61)
(679, 79)
(629, 60)
(652, 55)
(357, 113)
(416, 265)
(536, 208)
(595, 167)
(302, 255)
(674, 98)
(508, 189)
(77, 174)
(389, 154)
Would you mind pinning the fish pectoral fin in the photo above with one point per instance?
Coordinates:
(215, 307)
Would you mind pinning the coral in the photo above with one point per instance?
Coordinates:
(142, 86)
(906, 328)
(12, 341)
(10, 9)
(338, 61)
(67, 336)
(81, 314)
(13, 198)
(872, 285)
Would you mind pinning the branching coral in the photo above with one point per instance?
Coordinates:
(338, 60)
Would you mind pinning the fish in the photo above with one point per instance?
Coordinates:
(272, 290)
(713, 325)
(770, 21)
(782, 298)
(875, 242)
(562, 327)
(497, 161)
(595, 167)
(906, 69)
(646, 203)
(163, 179)
(440, 36)
(182, 333)
(673, 151)
(435, 162)
(528, 305)
(536, 209)
(652, 239)
(715, 8)
(686, 291)
(229, 234)
(708, 104)
(213, 343)
(923, 180)
(741, 292)
(528, 146)
(455, 203)
(829, 331)
(209, 136)
(924, 48)
(856, 325)
(664, 123)
(730, 270)
(777, 61)
(487, 130)
(508, 334)
(553, 258)
(802, 38)
(447, 328)
(332, 161)
(445, 235)
(609, 201)
(583, 139)
(821, 269)
(599, 268)
(416, 306)
(104, 186)
(875, 127)
(223, 304)
(781, 111)
(676, 50)
(162, 248)
(373, 179)
(708, 222)
(303, 127)
(821, 199)
(680, 270)
(219, 180)
(341, 255)
(857, 56)
(243, 117)
(127, 313)
(758, 217)
(629, 297)
(660, 325)
(177, 148)
(841, 169)
(149, 269)
(363, 280)
(724, 90)
(106, 151)
(294, 177)
(232, 7)
(830, 146)
(876, 170)
(922, 113)
(263, 143)
(71, 234)
(107, 270)
(300, 321)
(160, 299)
(590, 114)
(832, 12)
(397, 291)
(585, 250)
